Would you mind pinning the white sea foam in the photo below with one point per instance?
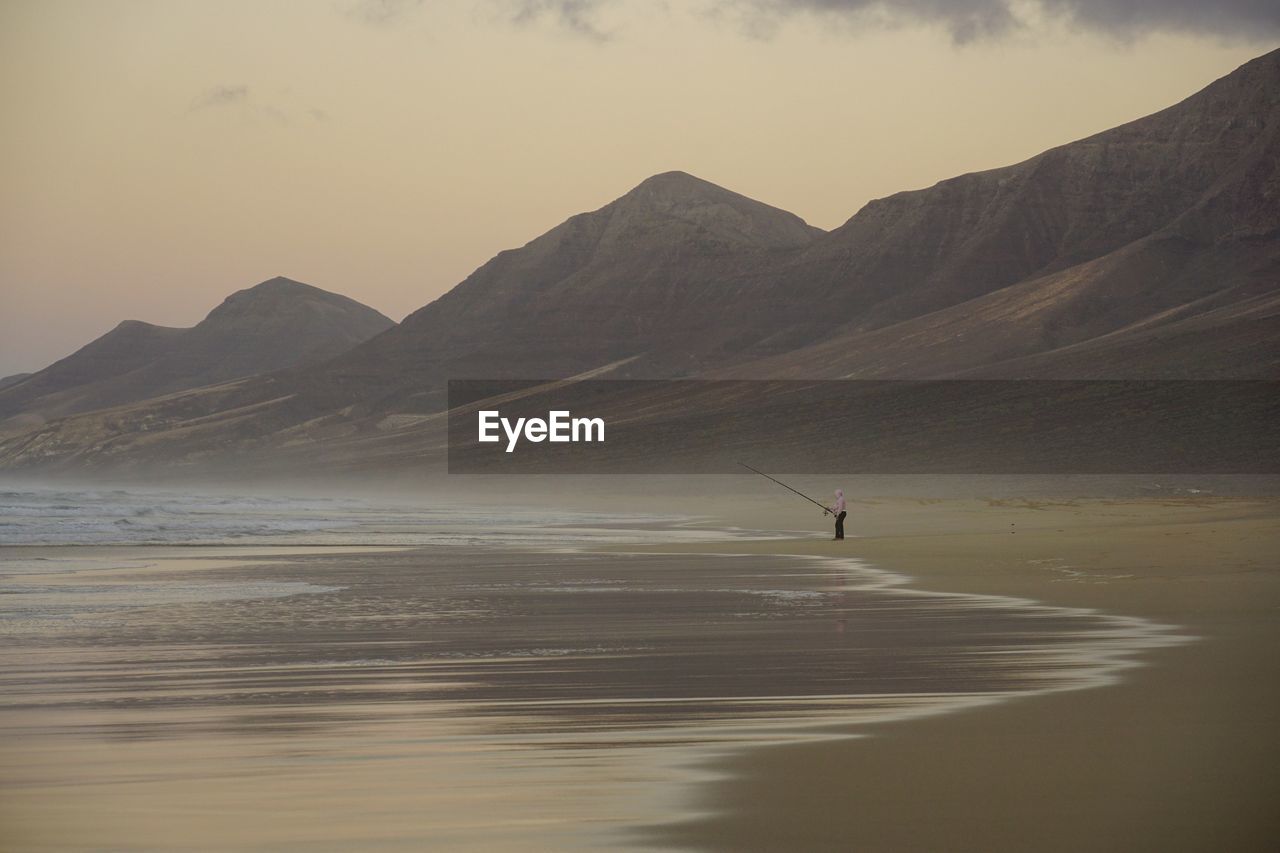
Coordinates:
(144, 517)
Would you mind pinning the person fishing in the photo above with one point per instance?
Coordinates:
(837, 509)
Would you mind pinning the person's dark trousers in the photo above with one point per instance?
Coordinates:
(840, 525)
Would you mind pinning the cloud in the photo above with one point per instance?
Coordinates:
(580, 17)
(220, 96)
(1252, 19)
(239, 97)
(383, 13)
(965, 20)
(972, 20)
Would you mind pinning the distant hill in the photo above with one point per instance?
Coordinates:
(643, 276)
(1148, 251)
(12, 379)
(275, 324)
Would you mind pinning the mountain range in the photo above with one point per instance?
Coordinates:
(278, 323)
(1148, 250)
(1151, 250)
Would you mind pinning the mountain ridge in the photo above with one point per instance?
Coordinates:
(1067, 205)
(1151, 250)
(636, 272)
(277, 323)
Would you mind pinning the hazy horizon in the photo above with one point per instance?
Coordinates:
(161, 156)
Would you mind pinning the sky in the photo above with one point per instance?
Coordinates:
(158, 155)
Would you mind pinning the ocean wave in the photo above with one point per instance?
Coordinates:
(139, 517)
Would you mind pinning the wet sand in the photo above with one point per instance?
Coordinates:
(1182, 755)
(472, 699)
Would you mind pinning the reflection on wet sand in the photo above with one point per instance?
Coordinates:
(460, 698)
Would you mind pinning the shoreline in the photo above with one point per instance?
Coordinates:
(1179, 754)
(996, 769)
(653, 745)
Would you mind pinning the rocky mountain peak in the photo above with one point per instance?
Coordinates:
(680, 199)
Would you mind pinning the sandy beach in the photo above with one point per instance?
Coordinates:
(998, 674)
(1181, 754)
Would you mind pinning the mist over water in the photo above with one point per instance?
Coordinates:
(36, 516)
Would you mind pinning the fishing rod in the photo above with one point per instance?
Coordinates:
(825, 509)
